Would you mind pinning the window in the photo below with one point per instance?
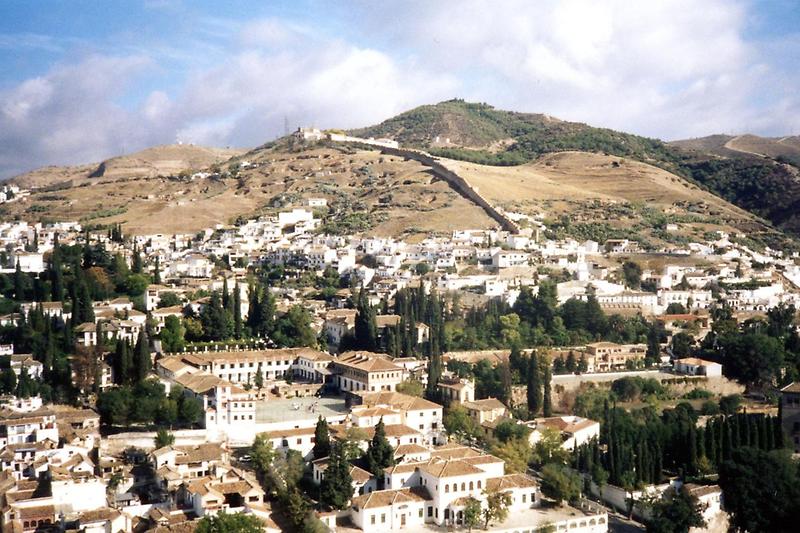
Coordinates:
(447, 488)
(372, 519)
(471, 485)
(479, 483)
(524, 497)
(430, 511)
(463, 486)
(420, 512)
(299, 441)
(383, 518)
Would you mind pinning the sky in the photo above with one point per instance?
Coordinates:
(81, 81)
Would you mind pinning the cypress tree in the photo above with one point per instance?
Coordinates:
(238, 329)
(732, 422)
(379, 453)
(691, 464)
(754, 424)
(19, 283)
(157, 272)
(711, 442)
(769, 435)
(322, 439)
(141, 357)
(226, 297)
(136, 261)
(727, 441)
(534, 392)
(336, 488)
(547, 401)
(777, 427)
(56, 272)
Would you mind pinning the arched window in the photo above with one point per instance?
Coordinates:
(471, 485)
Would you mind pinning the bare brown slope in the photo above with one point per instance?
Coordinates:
(391, 196)
(594, 188)
(155, 161)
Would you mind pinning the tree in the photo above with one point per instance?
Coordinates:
(336, 488)
(294, 329)
(224, 522)
(729, 404)
(380, 453)
(458, 423)
(497, 504)
(677, 512)
(560, 483)
(262, 454)
(681, 345)
(322, 439)
(366, 328)
(164, 438)
(772, 504)
(515, 452)
(168, 299)
(534, 392)
(136, 262)
(412, 387)
(753, 359)
(238, 326)
(547, 401)
(297, 508)
(172, 335)
(157, 272)
(141, 357)
(472, 513)
(632, 272)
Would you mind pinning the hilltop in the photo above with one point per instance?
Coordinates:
(161, 160)
(757, 174)
(589, 182)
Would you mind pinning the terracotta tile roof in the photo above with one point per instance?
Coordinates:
(511, 481)
(397, 400)
(450, 468)
(488, 404)
(367, 362)
(386, 498)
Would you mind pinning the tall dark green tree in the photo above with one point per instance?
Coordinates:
(547, 400)
(137, 267)
(380, 453)
(534, 392)
(238, 325)
(322, 439)
(141, 357)
(336, 488)
(366, 328)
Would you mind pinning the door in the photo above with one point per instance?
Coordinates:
(403, 520)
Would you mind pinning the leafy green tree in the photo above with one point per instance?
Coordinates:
(224, 522)
(560, 483)
(336, 488)
(294, 329)
(753, 359)
(632, 273)
(322, 439)
(472, 513)
(412, 387)
(458, 423)
(168, 299)
(677, 512)
(730, 403)
(681, 345)
(217, 322)
(164, 438)
(497, 504)
(380, 453)
(772, 504)
(263, 455)
(516, 453)
(172, 335)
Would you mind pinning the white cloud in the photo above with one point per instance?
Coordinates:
(671, 68)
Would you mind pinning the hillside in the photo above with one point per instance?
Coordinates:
(760, 175)
(162, 160)
(365, 190)
(599, 197)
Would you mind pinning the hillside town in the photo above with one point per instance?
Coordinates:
(320, 382)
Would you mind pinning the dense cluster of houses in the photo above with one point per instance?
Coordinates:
(58, 471)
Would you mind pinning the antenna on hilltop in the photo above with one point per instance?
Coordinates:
(286, 125)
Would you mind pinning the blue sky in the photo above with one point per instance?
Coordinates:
(82, 81)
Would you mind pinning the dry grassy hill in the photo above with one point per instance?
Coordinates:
(366, 191)
(607, 196)
(162, 160)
